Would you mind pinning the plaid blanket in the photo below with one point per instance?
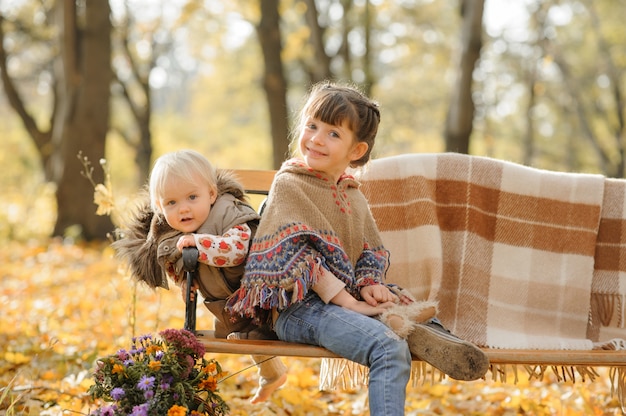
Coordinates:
(517, 257)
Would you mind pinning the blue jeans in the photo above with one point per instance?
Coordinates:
(359, 338)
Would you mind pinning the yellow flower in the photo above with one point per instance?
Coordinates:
(210, 384)
(154, 365)
(177, 410)
(103, 198)
(153, 349)
(117, 368)
(209, 368)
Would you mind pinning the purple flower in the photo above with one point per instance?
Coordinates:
(123, 355)
(109, 411)
(105, 411)
(140, 410)
(148, 395)
(145, 383)
(117, 393)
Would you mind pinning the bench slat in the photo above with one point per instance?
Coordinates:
(255, 181)
(594, 358)
(260, 347)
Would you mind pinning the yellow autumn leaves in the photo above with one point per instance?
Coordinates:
(64, 305)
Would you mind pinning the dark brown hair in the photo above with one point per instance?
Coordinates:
(334, 104)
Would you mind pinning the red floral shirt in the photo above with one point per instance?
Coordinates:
(227, 250)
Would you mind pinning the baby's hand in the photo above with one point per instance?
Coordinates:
(185, 241)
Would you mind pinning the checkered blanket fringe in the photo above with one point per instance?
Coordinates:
(339, 374)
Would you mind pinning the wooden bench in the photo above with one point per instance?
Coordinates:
(258, 182)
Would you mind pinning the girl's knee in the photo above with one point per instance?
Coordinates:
(396, 347)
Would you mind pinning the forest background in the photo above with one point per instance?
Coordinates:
(538, 82)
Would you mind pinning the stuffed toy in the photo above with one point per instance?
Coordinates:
(402, 318)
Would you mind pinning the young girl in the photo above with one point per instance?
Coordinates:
(318, 243)
(192, 204)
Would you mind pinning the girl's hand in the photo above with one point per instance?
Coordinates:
(185, 241)
(369, 310)
(346, 300)
(377, 294)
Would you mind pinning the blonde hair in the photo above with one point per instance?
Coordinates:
(186, 165)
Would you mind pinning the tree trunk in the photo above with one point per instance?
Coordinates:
(320, 70)
(460, 117)
(274, 81)
(538, 23)
(137, 94)
(369, 79)
(83, 117)
(41, 138)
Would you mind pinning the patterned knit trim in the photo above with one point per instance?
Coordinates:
(282, 268)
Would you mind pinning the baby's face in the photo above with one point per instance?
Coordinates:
(186, 205)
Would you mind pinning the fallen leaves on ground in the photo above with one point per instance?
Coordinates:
(64, 305)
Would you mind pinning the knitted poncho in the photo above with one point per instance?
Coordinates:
(309, 222)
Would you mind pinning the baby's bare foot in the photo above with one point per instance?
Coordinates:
(265, 391)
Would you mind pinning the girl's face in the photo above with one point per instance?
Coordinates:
(329, 149)
(186, 205)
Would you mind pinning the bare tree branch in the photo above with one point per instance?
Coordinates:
(39, 137)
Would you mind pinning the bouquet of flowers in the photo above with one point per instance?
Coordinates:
(166, 376)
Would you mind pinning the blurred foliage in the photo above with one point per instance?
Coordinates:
(207, 93)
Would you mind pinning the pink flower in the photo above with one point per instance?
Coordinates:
(183, 340)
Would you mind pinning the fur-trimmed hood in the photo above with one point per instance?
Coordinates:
(147, 237)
